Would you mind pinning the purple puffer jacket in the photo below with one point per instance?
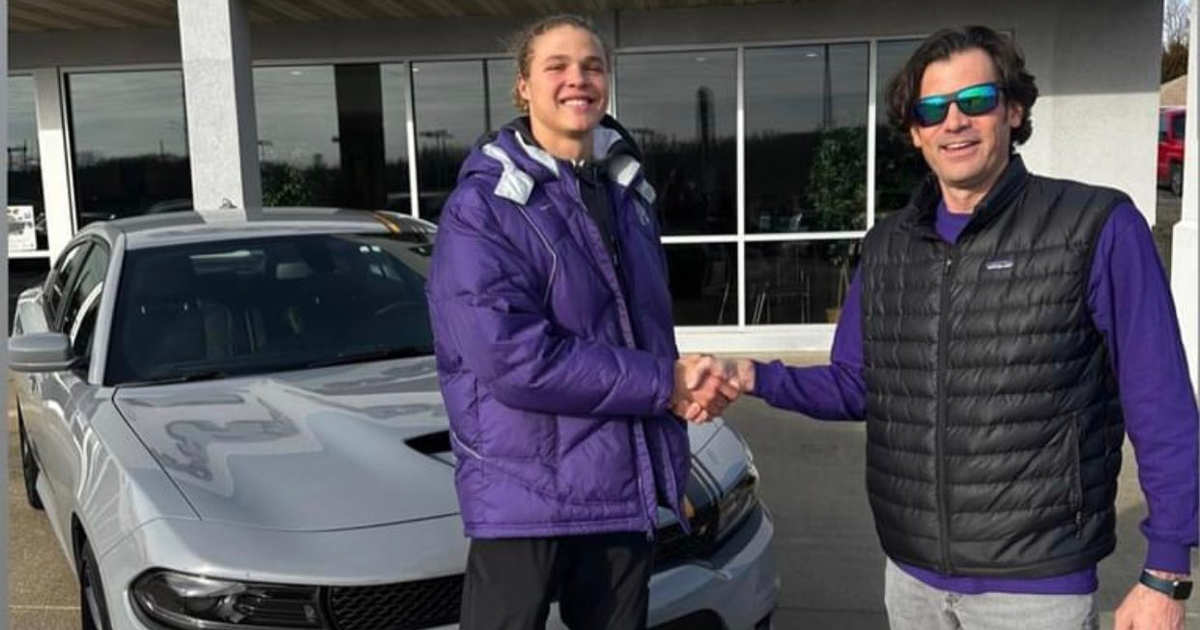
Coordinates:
(557, 388)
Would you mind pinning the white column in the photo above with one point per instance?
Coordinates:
(1185, 250)
(214, 38)
(55, 159)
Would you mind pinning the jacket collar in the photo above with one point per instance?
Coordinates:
(928, 195)
(523, 164)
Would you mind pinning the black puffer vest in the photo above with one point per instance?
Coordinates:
(994, 428)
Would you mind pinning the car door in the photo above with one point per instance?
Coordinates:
(42, 316)
(68, 395)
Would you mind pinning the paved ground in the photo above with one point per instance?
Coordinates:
(812, 473)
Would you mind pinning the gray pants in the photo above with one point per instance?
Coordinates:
(913, 605)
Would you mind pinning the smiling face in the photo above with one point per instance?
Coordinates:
(566, 90)
(967, 153)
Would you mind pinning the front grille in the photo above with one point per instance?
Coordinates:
(404, 606)
(674, 547)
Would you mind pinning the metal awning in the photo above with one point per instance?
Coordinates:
(70, 15)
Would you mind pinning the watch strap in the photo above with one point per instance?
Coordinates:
(1175, 589)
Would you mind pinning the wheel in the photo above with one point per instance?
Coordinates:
(1177, 179)
(29, 467)
(92, 606)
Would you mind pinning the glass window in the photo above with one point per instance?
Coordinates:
(297, 116)
(899, 166)
(682, 110)
(65, 272)
(704, 285)
(79, 312)
(249, 306)
(450, 115)
(1178, 125)
(501, 75)
(798, 282)
(806, 141)
(394, 84)
(26, 207)
(129, 143)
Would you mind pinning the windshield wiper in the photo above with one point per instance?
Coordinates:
(379, 354)
(190, 377)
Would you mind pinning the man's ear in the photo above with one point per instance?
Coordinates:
(1016, 112)
(914, 134)
(523, 89)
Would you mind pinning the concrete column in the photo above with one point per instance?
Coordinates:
(1185, 252)
(56, 164)
(214, 42)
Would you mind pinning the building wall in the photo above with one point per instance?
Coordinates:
(1096, 62)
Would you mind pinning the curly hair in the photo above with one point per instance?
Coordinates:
(1016, 83)
(521, 47)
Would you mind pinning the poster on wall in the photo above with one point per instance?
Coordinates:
(22, 236)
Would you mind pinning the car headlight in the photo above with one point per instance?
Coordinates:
(192, 602)
(738, 502)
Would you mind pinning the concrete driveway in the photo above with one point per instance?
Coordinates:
(812, 478)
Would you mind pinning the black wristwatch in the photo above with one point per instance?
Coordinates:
(1175, 589)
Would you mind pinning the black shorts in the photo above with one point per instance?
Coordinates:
(601, 582)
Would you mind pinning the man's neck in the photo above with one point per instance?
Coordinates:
(964, 199)
(564, 147)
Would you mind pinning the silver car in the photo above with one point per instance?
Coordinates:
(233, 422)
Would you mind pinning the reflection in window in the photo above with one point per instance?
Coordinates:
(394, 85)
(27, 212)
(450, 116)
(501, 75)
(801, 282)
(682, 110)
(704, 286)
(129, 143)
(296, 111)
(806, 141)
(898, 165)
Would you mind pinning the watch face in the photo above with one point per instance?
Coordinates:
(1183, 589)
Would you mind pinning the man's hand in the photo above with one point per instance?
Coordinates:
(1147, 609)
(702, 388)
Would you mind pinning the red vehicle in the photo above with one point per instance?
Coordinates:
(1170, 148)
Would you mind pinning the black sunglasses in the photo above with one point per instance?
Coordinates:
(972, 101)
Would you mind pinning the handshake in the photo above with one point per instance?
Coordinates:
(706, 385)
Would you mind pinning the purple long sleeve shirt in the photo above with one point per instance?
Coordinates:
(1130, 303)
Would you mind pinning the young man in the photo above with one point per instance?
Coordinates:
(1003, 333)
(556, 353)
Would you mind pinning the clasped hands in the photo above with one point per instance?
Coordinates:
(705, 386)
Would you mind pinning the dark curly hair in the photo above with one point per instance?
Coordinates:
(1016, 83)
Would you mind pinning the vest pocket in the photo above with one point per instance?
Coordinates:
(1076, 493)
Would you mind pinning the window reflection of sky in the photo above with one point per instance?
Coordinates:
(658, 92)
(297, 115)
(126, 114)
(22, 123)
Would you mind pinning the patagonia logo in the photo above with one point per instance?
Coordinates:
(998, 264)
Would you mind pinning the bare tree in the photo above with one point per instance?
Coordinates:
(1176, 23)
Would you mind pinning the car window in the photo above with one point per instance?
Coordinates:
(1177, 126)
(83, 301)
(268, 304)
(66, 270)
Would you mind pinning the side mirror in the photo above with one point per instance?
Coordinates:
(40, 352)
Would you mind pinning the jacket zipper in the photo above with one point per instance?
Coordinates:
(639, 431)
(940, 448)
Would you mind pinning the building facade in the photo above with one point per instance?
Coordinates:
(763, 125)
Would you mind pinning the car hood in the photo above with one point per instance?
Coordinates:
(316, 450)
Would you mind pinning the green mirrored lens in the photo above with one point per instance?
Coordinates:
(977, 100)
(932, 110)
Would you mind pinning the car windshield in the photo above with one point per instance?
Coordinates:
(250, 306)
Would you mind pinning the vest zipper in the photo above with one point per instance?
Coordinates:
(940, 448)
